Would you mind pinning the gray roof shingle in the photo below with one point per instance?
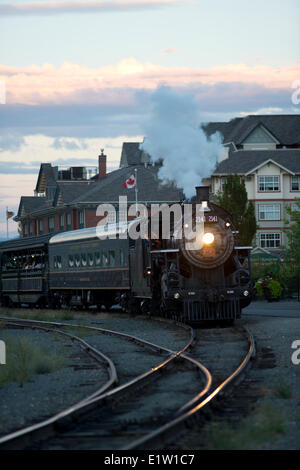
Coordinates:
(30, 204)
(285, 127)
(150, 188)
(243, 161)
(132, 154)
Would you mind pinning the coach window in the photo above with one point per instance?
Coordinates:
(83, 259)
(77, 260)
(97, 258)
(104, 258)
(91, 259)
(112, 257)
(71, 261)
(59, 263)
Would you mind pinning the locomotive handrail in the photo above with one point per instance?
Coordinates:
(170, 250)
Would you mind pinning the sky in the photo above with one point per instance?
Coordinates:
(78, 76)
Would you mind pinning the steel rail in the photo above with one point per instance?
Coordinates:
(90, 350)
(161, 435)
(47, 428)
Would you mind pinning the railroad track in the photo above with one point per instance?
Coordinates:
(224, 379)
(96, 424)
(58, 431)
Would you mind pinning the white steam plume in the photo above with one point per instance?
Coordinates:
(173, 135)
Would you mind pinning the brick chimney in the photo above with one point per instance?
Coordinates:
(102, 165)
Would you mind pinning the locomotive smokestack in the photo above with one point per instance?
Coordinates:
(202, 194)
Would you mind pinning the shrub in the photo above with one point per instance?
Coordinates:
(275, 289)
(25, 359)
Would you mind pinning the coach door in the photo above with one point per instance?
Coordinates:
(139, 262)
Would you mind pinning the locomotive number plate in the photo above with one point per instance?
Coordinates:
(207, 218)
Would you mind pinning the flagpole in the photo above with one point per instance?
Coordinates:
(7, 222)
(136, 193)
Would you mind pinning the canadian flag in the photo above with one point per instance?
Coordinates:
(130, 182)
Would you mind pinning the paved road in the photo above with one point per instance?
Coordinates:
(282, 308)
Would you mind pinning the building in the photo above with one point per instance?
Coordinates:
(67, 199)
(265, 151)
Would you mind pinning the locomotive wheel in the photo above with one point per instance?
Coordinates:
(146, 307)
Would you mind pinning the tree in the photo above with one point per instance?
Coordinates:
(292, 253)
(235, 200)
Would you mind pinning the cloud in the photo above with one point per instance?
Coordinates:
(11, 141)
(55, 8)
(70, 124)
(76, 84)
(71, 103)
(69, 144)
(16, 167)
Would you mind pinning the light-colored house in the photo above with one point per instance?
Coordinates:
(265, 152)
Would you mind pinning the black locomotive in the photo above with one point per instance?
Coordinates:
(151, 273)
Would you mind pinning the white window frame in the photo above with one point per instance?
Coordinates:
(223, 182)
(269, 212)
(268, 190)
(295, 207)
(298, 183)
(266, 243)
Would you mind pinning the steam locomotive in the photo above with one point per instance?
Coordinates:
(149, 273)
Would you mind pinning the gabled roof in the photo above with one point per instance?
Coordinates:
(132, 154)
(30, 204)
(46, 177)
(284, 127)
(66, 193)
(150, 188)
(245, 161)
(266, 162)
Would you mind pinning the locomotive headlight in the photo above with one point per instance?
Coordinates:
(208, 238)
(246, 293)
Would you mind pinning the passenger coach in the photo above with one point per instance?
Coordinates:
(85, 270)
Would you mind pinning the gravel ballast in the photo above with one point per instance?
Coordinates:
(276, 326)
(48, 393)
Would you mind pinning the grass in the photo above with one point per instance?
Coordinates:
(37, 314)
(24, 360)
(263, 426)
(283, 390)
